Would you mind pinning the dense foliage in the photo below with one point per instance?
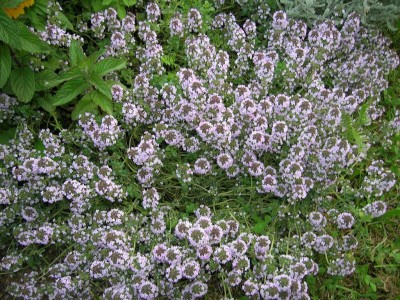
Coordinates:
(183, 150)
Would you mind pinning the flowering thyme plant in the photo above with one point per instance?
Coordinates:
(203, 157)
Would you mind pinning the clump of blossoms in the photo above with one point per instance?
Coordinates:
(268, 113)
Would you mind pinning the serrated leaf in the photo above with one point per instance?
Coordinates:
(100, 85)
(45, 103)
(23, 83)
(69, 91)
(73, 73)
(103, 102)
(5, 64)
(76, 54)
(46, 79)
(8, 29)
(85, 104)
(28, 41)
(91, 60)
(108, 65)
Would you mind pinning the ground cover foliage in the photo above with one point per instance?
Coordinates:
(198, 149)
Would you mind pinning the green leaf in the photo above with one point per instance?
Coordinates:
(91, 60)
(168, 60)
(45, 103)
(97, 5)
(73, 73)
(105, 103)
(108, 65)
(190, 208)
(39, 145)
(5, 64)
(100, 85)
(64, 21)
(23, 83)
(7, 135)
(85, 104)
(69, 91)
(76, 53)
(121, 11)
(10, 3)
(46, 79)
(259, 228)
(390, 214)
(29, 41)
(8, 29)
(129, 2)
(107, 2)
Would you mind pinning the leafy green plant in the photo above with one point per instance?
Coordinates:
(17, 41)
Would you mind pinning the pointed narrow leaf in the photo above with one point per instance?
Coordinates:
(86, 104)
(107, 65)
(101, 86)
(23, 83)
(5, 64)
(76, 54)
(69, 91)
(104, 103)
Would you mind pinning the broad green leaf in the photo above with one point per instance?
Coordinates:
(73, 73)
(23, 83)
(97, 5)
(85, 104)
(8, 30)
(121, 11)
(91, 60)
(10, 3)
(45, 103)
(107, 2)
(5, 64)
(105, 103)
(46, 79)
(69, 91)
(129, 2)
(29, 41)
(100, 85)
(107, 65)
(76, 53)
(64, 21)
